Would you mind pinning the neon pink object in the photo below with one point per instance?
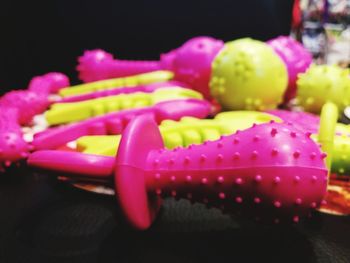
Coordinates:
(12, 145)
(35, 99)
(49, 83)
(97, 65)
(115, 122)
(271, 172)
(18, 108)
(296, 58)
(27, 102)
(191, 64)
(126, 90)
(303, 121)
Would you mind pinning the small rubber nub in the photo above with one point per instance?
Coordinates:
(139, 138)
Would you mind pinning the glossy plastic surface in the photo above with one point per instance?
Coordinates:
(296, 58)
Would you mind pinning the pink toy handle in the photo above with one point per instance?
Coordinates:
(126, 90)
(114, 123)
(98, 65)
(191, 63)
(73, 163)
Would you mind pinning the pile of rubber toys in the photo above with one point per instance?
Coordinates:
(245, 126)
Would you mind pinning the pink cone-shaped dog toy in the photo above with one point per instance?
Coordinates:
(296, 58)
(191, 63)
(115, 122)
(271, 172)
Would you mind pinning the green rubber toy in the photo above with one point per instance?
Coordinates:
(321, 84)
(248, 75)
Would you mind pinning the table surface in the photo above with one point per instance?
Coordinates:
(43, 220)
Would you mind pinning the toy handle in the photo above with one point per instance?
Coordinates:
(73, 163)
(328, 121)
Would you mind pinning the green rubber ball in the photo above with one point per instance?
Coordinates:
(248, 75)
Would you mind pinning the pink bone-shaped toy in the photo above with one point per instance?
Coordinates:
(271, 172)
(18, 108)
(126, 90)
(191, 64)
(115, 122)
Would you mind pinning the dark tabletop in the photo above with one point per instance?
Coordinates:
(43, 220)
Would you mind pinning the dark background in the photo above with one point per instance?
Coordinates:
(42, 220)
(41, 36)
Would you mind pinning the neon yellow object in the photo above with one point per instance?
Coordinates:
(141, 79)
(187, 131)
(341, 155)
(248, 74)
(321, 84)
(326, 133)
(76, 111)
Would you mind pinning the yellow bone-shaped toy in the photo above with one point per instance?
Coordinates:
(141, 79)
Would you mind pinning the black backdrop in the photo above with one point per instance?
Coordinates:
(37, 37)
(42, 220)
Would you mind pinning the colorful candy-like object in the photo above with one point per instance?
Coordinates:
(271, 172)
(115, 122)
(296, 58)
(248, 74)
(321, 84)
(148, 88)
(190, 130)
(182, 133)
(61, 113)
(191, 64)
(130, 81)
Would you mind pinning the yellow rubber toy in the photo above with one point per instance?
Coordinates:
(141, 79)
(61, 113)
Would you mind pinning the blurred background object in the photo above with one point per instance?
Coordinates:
(323, 27)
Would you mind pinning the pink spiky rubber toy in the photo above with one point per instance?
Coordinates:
(191, 64)
(271, 172)
(296, 58)
(18, 108)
